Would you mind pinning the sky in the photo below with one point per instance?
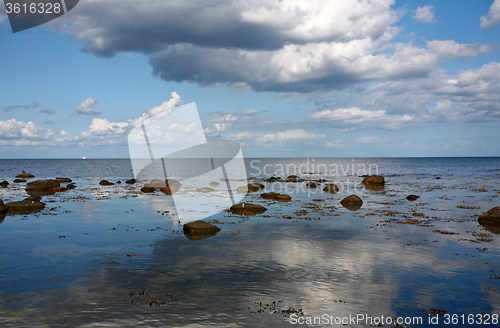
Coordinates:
(284, 78)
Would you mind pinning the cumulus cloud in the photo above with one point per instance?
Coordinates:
(46, 110)
(102, 131)
(11, 108)
(288, 46)
(49, 122)
(18, 133)
(424, 14)
(469, 96)
(452, 49)
(492, 19)
(85, 108)
(358, 118)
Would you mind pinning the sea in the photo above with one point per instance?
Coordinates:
(113, 256)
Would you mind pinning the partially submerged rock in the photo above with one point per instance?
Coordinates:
(283, 198)
(412, 198)
(28, 205)
(106, 183)
(205, 189)
(155, 183)
(269, 195)
(42, 185)
(131, 181)
(63, 180)
(25, 175)
(19, 180)
(4, 184)
(71, 186)
(490, 218)
(331, 188)
(251, 187)
(148, 189)
(352, 202)
(293, 178)
(197, 230)
(168, 190)
(247, 208)
(312, 185)
(3, 208)
(374, 180)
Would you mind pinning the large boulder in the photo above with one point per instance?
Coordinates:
(247, 208)
(25, 175)
(28, 205)
(374, 180)
(42, 185)
(197, 230)
(490, 218)
(331, 188)
(352, 202)
(3, 208)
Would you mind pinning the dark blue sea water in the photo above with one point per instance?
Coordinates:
(109, 256)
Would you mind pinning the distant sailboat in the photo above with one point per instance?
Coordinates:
(83, 157)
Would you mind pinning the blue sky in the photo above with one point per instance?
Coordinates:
(285, 78)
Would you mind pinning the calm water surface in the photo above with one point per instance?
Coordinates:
(107, 256)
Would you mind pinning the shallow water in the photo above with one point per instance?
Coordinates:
(82, 260)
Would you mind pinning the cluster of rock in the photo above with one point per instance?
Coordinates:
(276, 196)
(168, 187)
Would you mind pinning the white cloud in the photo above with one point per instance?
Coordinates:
(492, 19)
(18, 133)
(471, 95)
(369, 139)
(46, 110)
(102, 131)
(173, 102)
(337, 144)
(424, 14)
(289, 135)
(451, 49)
(49, 122)
(11, 108)
(85, 108)
(358, 118)
(250, 112)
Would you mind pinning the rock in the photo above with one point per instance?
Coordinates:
(438, 178)
(4, 184)
(247, 208)
(19, 180)
(59, 189)
(200, 228)
(318, 200)
(293, 178)
(169, 190)
(352, 202)
(269, 195)
(272, 179)
(42, 185)
(331, 188)
(25, 175)
(3, 208)
(148, 189)
(490, 218)
(214, 184)
(118, 182)
(71, 186)
(412, 198)
(2, 217)
(374, 180)
(322, 180)
(28, 205)
(131, 181)
(63, 180)
(312, 185)
(205, 189)
(251, 187)
(106, 183)
(155, 183)
(283, 198)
